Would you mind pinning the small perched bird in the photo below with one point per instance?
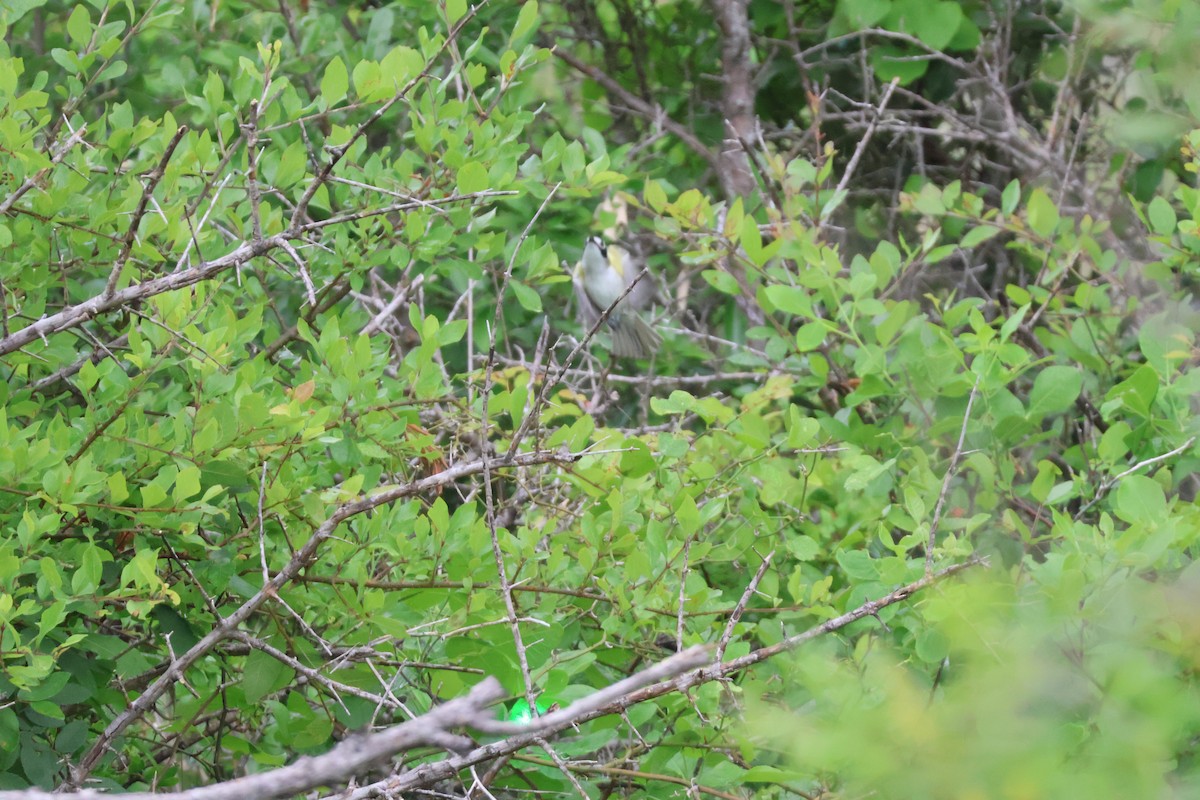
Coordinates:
(605, 272)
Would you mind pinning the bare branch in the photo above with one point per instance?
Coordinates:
(337, 766)
(73, 316)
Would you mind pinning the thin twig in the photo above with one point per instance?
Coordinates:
(740, 608)
(641, 775)
(402, 294)
(304, 276)
(262, 526)
(683, 573)
(56, 156)
(562, 767)
(152, 180)
(848, 173)
(314, 676)
(250, 132)
(1108, 483)
(535, 411)
(490, 506)
(950, 470)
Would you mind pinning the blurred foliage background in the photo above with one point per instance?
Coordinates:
(301, 436)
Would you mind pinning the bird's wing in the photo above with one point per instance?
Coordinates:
(629, 268)
(588, 313)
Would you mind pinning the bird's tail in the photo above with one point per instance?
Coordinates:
(632, 337)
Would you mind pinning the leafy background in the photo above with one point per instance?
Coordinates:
(297, 440)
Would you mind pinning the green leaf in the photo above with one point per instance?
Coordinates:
(452, 332)
(637, 567)
(722, 281)
(637, 460)
(1162, 216)
(941, 253)
(1011, 196)
(214, 91)
(140, 572)
(810, 336)
(455, 10)
(113, 71)
(292, 165)
(528, 297)
(833, 203)
(866, 470)
(929, 201)
(793, 300)
(1043, 214)
(67, 60)
(1013, 322)
(864, 13)
(937, 23)
(521, 713)
(573, 161)
(472, 177)
(1140, 500)
(1054, 390)
(87, 577)
(187, 484)
(1137, 392)
(52, 617)
(49, 709)
(687, 516)
(1113, 443)
(174, 624)
(978, 235)
(968, 36)
(858, 564)
(932, 646)
(656, 198)
(264, 675)
(891, 61)
(399, 66)
(802, 431)
(335, 83)
(367, 81)
(526, 19)
(315, 732)
(79, 26)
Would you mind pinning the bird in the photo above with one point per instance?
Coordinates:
(602, 276)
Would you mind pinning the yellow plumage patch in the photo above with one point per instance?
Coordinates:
(616, 261)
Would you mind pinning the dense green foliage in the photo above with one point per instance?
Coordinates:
(291, 364)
